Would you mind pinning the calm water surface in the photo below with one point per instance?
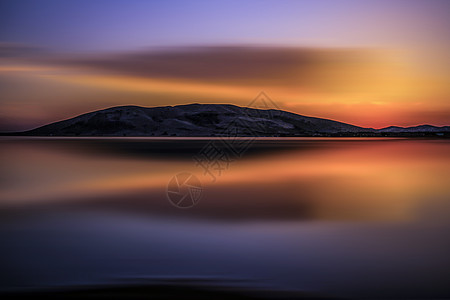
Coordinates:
(340, 217)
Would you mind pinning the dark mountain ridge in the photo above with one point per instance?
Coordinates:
(209, 120)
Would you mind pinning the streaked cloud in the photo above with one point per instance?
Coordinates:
(255, 66)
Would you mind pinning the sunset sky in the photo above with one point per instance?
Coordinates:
(368, 63)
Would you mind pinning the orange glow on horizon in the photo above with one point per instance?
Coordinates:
(372, 91)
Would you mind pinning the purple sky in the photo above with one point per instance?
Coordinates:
(108, 25)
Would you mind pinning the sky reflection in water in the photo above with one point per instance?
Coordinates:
(341, 217)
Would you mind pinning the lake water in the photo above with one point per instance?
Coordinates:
(339, 217)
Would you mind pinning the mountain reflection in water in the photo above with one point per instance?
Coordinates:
(340, 217)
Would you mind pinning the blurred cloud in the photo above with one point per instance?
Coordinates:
(272, 66)
(16, 50)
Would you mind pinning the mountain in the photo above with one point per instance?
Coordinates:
(191, 120)
(206, 120)
(420, 128)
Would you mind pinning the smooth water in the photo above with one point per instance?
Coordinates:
(340, 217)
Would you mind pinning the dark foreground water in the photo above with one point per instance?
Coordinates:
(350, 218)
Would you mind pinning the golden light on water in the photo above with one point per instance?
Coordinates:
(352, 179)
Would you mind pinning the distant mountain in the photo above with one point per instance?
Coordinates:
(420, 128)
(207, 120)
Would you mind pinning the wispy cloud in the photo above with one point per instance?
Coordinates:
(17, 50)
(269, 66)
